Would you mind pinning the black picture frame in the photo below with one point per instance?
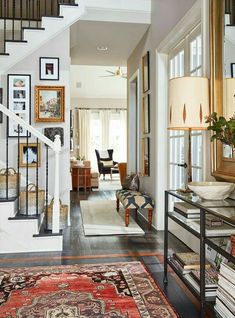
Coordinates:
(232, 65)
(51, 132)
(1, 99)
(145, 72)
(49, 68)
(19, 102)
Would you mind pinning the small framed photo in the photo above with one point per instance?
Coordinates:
(146, 114)
(145, 72)
(19, 101)
(1, 114)
(49, 68)
(49, 104)
(51, 132)
(146, 156)
(29, 153)
(232, 69)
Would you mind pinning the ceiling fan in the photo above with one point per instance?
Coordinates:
(117, 73)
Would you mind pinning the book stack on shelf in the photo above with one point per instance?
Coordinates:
(225, 297)
(219, 230)
(232, 239)
(188, 264)
(186, 212)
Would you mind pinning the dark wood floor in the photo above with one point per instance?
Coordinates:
(98, 249)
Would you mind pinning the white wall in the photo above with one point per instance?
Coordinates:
(165, 14)
(57, 47)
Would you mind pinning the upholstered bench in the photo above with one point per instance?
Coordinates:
(135, 200)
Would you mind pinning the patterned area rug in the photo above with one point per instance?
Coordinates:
(116, 290)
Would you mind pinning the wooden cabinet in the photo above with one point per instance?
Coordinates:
(81, 178)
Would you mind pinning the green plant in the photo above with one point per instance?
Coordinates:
(81, 158)
(224, 130)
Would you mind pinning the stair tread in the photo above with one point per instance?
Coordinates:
(33, 28)
(52, 16)
(24, 217)
(68, 4)
(8, 200)
(17, 41)
(45, 233)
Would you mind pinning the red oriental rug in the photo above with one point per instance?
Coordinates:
(116, 290)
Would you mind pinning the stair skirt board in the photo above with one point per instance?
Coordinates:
(20, 234)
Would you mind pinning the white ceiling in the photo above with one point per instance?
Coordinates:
(120, 38)
(94, 86)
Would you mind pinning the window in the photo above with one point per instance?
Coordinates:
(108, 131)
(185, 60)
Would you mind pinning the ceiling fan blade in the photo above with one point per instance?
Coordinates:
(111, 72)
(107, 76)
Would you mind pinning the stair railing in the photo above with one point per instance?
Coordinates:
(16, 15)
(55, 146)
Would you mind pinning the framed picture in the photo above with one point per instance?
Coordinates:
(49, 103)
(146, 156)
(1, 114)
(145, 72)
(49, 68)
(146, 114)
(53, 131)
(232, 69)
(19, 101)
(29, 153)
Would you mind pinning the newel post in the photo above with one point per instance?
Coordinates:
(56, 204)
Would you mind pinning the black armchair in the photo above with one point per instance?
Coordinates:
(105, 164)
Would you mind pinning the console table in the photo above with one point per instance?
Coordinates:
(81, 178)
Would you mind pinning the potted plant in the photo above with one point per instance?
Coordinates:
(80, 160)
(223, 130)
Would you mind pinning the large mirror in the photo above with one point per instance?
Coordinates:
(222, 51)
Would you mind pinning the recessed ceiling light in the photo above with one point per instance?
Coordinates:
(102, 48)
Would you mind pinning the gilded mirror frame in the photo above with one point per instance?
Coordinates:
(223, 169)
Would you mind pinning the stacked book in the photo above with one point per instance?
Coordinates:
(219, 230)
(225, 297)
(232, 239)
(211, 281)
(186, 212)
(188, 264)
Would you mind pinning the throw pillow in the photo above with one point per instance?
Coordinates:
(131, 182)
(107, 163)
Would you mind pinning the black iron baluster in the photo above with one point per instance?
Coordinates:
(38, 12)
(21, 20)
(27, 10)
(18, 170)
(7, 158)
(37, 189)
(45, 8)
(29, 13)
(5, 25)
(58, 8)
(47, 168)
(13, 19)
(27, 172)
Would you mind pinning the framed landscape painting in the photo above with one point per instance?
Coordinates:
(49, 103)
(19, 101)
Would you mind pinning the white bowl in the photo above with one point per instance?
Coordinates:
(212, 190)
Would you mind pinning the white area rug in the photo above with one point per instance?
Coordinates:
(108, 185)
(101, 218)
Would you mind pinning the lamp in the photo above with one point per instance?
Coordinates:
(230, 97)
(188, 105)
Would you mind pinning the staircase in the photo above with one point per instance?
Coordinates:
(26, 25)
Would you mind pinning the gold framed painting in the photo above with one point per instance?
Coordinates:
(145, 156)
(30, 155)
(49, 103)
(145, 72)
(146, 114)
